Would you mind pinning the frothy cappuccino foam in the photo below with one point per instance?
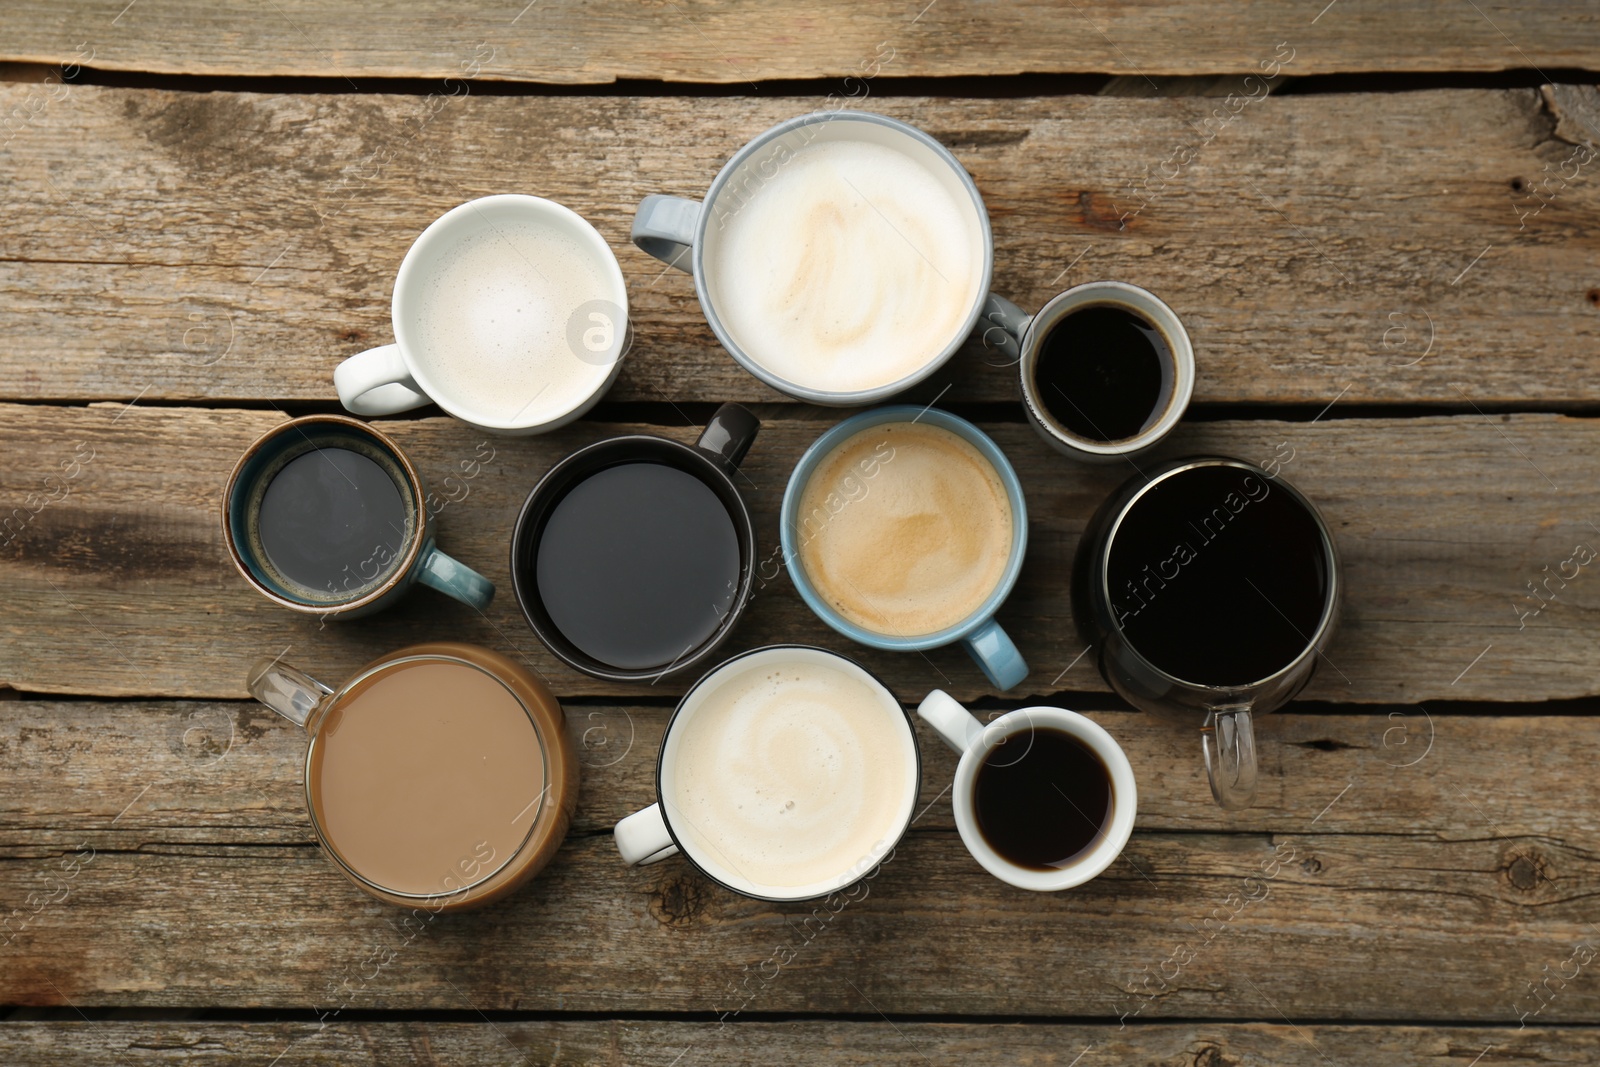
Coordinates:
(789, 774)
(850, 268)
(904, 529)
(493, 320)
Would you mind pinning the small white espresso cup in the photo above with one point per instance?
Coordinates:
(510, 313)
(975, 741)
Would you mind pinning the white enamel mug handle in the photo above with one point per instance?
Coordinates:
(642, 837)
(377, 382)
(956, 725)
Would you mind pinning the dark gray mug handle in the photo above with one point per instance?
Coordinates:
(729, 435)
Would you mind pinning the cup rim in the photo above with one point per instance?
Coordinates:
(1146, 305)
(408, 559)
(1330, 556)
(849, 878)
(1124, 786)
(464, 892)
(831, 438)
(848, 398)
(555, 480)
(539, 208)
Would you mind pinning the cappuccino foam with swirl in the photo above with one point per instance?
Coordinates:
(789, 773)
(852, 266)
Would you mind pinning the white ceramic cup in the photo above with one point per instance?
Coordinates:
(649, 835)
(394, 378)
(975, 740)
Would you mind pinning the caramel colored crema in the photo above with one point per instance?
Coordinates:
(904, 529)
(426, 777)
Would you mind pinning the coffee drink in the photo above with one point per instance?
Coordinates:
(1042, 798)
(334, 521)
(1217, 576)
(843, 265)
(427, 777)
(638, 564)
(1103, 371)
(904, 529)
(787, 772)
(494, 321)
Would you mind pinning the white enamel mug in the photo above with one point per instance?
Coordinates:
(975, 741)
(564, 280)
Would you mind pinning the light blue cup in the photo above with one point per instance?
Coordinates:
(979, 632)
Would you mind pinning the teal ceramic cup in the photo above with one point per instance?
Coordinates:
(328, 526)
(981, 635)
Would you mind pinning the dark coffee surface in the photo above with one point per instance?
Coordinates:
(1100, 371)
(1042, 798)
(1218, 577)
(638, 565)
(332, 521)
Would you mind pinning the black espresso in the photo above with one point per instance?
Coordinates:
(1101, 372)
(1218, 576)
(332, 522)
(1042, 798)
(638, 565)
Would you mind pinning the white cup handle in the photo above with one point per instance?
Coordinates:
(956, 725)
(642, 837)
(376, 382)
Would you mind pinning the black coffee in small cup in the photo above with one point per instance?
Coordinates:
(1042, 799)
(1104, 372)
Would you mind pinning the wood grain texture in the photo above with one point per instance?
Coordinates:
(1185, 925)
(1424, 247)
(119, 775)
(872, 1043)
(122, 586)
(749, 41)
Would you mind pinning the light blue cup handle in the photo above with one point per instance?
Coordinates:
(455, 579)
(1002, 664)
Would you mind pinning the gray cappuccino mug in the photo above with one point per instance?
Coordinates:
(822, 238)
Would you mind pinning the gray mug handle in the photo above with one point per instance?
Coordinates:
(664, 227)
(1003, 324)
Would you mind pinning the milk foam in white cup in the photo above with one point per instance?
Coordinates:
(787, 773)
(841, 257)
(510, 313)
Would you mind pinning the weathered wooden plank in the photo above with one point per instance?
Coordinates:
(119, 775)
(749, 41)
(122, 586)
(1206, 925)
(843, 1044)
(1429, 247)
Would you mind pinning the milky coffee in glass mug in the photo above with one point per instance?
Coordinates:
(841, 257)
(438, 776)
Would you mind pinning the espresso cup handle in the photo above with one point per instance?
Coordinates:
(729, 435)
(1229, 742)
(997, 655)
(454, 578)
(957, 726)
(291, 693)
(664, 227)
(376, 382)
(642, 837)
(1002, 325)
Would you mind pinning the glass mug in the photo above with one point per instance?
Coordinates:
(438, 776)
(1209, 589)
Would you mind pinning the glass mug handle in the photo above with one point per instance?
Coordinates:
(291, 693)
(1229, 742)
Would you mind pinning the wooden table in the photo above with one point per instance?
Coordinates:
(1389, 265)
